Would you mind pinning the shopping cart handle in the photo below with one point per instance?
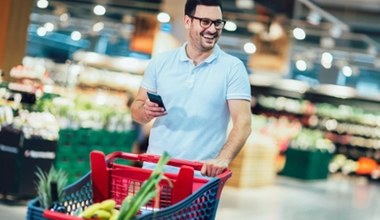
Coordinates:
(172, 162)
(152, 158)
(179, 162)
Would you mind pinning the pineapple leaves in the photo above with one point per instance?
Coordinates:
(43, 185)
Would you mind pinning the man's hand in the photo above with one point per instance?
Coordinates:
(214, 167)
(152, 110)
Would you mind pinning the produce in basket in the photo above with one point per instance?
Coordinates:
(50, 187)
(149, 190)
(106, 210)
(103, 210)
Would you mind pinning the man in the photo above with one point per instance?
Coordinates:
(202, 87)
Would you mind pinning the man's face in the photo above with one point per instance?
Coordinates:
(201, 37)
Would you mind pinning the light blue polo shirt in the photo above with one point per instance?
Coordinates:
(195, 98)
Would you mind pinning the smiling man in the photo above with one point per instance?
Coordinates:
(202, 88)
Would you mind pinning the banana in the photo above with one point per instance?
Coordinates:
(108, 205)
(90, 211)
(114, 214)
(101, 214)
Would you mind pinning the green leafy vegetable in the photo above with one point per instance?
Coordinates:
(148, 190)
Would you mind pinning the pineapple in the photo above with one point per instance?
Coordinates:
(55, 178)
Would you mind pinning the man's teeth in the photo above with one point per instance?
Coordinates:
(209, 36)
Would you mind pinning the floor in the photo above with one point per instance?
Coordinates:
(287, 199)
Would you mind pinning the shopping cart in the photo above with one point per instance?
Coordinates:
(189, 196)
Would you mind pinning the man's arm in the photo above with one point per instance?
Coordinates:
(143, 110)
(240, 111)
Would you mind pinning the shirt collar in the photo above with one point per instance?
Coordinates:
(212, 57)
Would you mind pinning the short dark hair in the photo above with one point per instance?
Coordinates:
(191, 5)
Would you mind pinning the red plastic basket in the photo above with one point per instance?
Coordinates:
(190, 197)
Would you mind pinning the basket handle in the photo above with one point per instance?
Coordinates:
(172, 162)
(152, 158)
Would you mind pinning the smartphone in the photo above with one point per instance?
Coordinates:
(156, 99)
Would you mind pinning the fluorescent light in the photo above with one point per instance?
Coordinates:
(49, 26)
(98, 26)
(76, 35)
(41, 31)
(347, 71)
(42, 3)
(299, 33)
(99, 10)
(301, 65)
(230, 26)
(163, 17)
(249, 48)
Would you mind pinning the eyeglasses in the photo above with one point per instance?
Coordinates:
(206, 22)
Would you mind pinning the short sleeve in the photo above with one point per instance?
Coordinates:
(238, 83)
(150, 75)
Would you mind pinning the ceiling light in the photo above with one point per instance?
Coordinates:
(49, 26)
(76, 35)
(327, 57)
(250, 48)
(327, 65)
(245, 4)
(326, 60)
(42, 3)
(230, 26)
(299, 33)
(41, 31)
(301, 65)
(163, 17)
(98, 26)
(99, 10)
(64, 17)
(347, 71)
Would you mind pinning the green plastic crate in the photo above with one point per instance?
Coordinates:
(74, 147)
(308, 165)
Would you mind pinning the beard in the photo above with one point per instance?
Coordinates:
(208, 40)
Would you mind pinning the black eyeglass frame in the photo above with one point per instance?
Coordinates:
(216, 23)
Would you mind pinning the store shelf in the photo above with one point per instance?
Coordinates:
(350, 121)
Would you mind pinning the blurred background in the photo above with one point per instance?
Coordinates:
(70, 69)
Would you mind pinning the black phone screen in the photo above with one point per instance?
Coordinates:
(156, 99)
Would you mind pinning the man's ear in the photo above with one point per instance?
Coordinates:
(187, 22)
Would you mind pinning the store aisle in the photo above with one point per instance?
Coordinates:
(287, 199)
(12, 212)
(291, 199)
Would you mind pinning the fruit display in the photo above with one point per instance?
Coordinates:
(308, 139)
(6, 115)
(80, 112)
(93, 77)
(41, 124)
(281, 129)
(348, 127)
(296, 106)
